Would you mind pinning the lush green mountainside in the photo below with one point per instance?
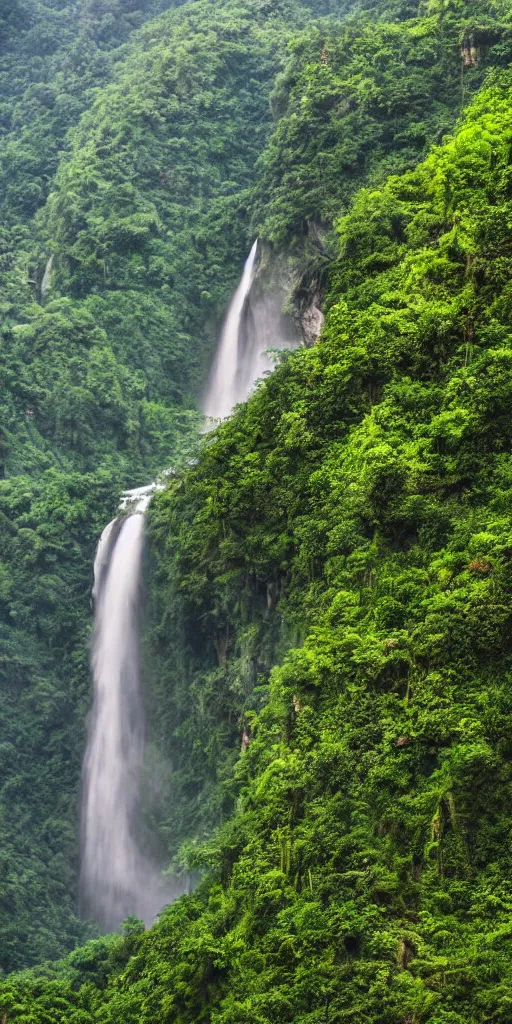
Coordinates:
(363, 496)
(380, 94)
(343, 88)
(54, 55)
(353, 515)
(110, 298)
(146, 228)
(100, 370)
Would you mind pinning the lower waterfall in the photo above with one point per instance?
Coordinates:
(117, 880)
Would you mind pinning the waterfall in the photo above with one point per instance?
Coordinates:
(117, 880)
(254, 324)
(47, 278)
(225, 387)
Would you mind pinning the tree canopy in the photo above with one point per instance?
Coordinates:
(327, 642)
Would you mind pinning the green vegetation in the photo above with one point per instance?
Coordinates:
(362, 498)
(328, 636)
(120, 243)
(48, 532)
(200, 703)
(365, 98)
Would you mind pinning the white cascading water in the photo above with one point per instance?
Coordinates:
(47, 278)
(116, 878)
(225, 385)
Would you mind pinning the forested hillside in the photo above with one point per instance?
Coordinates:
(365, 870)
(327, 644)
(342, 122)
(111, 293)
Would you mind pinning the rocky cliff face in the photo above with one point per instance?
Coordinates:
(311, 320)
(285, 308)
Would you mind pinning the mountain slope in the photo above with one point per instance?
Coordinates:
(365, 870)
(213, 637)
(354, 514)
(100, 371)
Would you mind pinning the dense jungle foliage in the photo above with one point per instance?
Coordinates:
(354, 106)
(330, 582)
(121, 240)
(363, 497)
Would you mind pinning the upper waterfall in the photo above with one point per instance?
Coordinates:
(226, 385)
